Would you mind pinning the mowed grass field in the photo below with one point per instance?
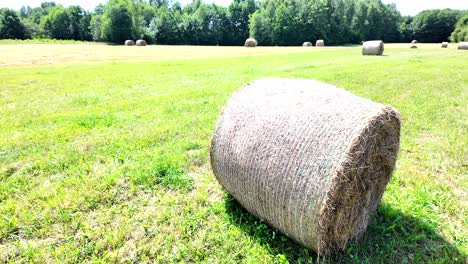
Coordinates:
(104, 153)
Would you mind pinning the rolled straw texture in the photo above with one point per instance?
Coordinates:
(310, 159)
(444, 45)
(320, 43)
(141, 42)
(463, 46)
(374, 47)
(129, 43)
(250, 43)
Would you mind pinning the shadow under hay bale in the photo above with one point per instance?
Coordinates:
(320, 43)
(129, 43)
(309, 158)
(463, 46)
(141, 42)
(444, 45)
(374, 47)
(250, 43)
(307, 44)
(392, 235)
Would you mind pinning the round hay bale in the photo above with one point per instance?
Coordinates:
(307, 44)
(141, 42)
(444, 45)
(129, 42)
(250, 43)
(374, 47)
(414, 42)
(362, 43)
(413, 47)
(320, 43)
(310, 159)
(463, 46)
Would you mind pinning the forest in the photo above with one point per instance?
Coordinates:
(271, 22)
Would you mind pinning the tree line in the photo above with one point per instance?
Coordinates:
(271, 22)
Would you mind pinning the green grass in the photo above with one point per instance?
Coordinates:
(109, 162)
(44, 41)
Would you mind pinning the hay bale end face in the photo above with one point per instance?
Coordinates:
(414, 42)
(374, 47)
(129, 43)
(444, 45)
(463, 46)
(320, 43)
(413, 47)
(307, 44)
(141, 42)
(250, 43)
(310, 159)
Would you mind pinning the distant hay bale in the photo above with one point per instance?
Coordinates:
(374, 47)
(250, 43)
(413, 47)
(414, 42)
(307, 44)
(320, 43)
(129, 43)
(310, 159)
(463, 46)
(141, 42)
(444, 45)
(362, 43)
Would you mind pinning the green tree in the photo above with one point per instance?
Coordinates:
(116, 24)
(435, 25)
(57, 24)
(11, 26)
(461, 30)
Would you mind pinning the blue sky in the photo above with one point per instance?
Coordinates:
(406, 7)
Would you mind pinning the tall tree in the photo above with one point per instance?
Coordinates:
(116, 22)
(435, 25)
(11, 26)
(461, 30)
(57, 24)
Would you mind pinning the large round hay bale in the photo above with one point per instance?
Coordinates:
(250, 43)
(374, 47)
(307, 44)
(320, 43)
(310, 159)
(414, 42)
(413, 47)
(129, 43)
(463, 46)
(141, 42)
(444, 45)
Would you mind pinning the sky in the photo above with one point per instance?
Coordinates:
(406, 7)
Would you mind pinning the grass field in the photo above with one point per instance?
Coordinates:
(104, 153)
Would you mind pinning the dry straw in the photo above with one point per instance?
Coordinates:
(307, 44)
(320, 43)
(141, 42)
(250, 43)
(374, 47)
(444, 45)
(310, 159)
(129, 43)
(463, 46)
